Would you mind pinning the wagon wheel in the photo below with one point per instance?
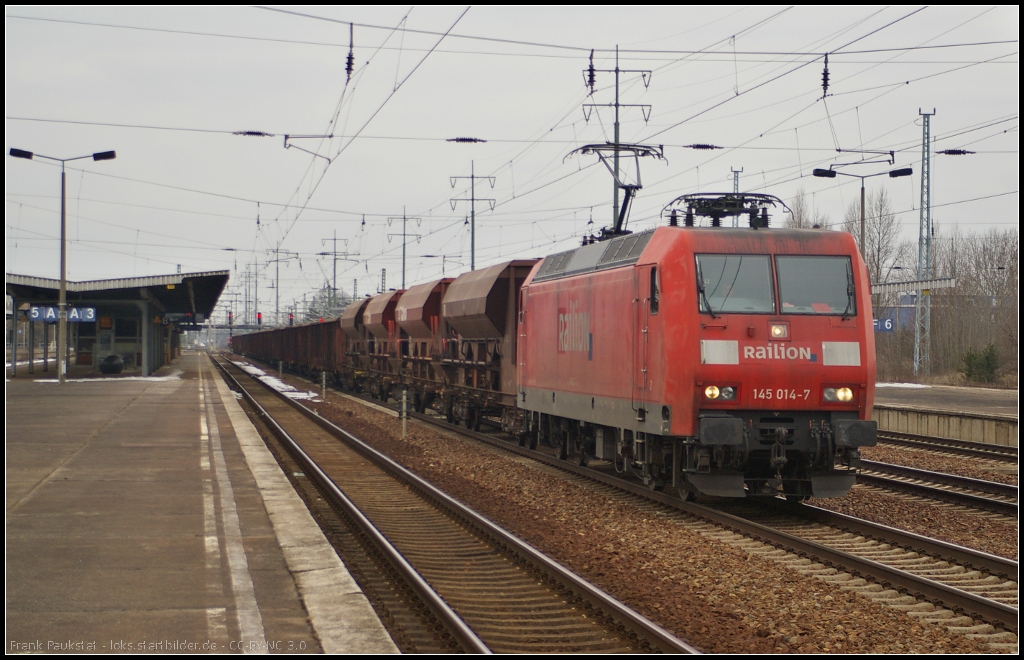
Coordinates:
(471, 421)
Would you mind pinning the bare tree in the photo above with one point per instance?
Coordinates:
(803, 217)
(980, 311)
(883, 252)
(326, 303)
(983, 307)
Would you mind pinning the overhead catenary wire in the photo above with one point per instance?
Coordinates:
(546, 178)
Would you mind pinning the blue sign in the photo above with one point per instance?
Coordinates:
(51, 314)
(885, 325)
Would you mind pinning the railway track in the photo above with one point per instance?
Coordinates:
(965, 491)
(967, 591)
(950, 446)
(977, 591)
(490, 591)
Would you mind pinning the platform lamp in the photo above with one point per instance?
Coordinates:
(831, 174)
(62, 322)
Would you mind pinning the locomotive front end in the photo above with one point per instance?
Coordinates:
(785, 385)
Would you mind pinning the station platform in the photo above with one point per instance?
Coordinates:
(972, 400)
(146, 514)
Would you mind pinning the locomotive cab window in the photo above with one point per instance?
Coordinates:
(816, 285)
(734, 283)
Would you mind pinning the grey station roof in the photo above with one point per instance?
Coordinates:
(178, 293)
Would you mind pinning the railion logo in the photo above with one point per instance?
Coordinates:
(779, 352)
(574, 330)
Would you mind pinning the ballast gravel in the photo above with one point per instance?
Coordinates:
(715, 596)
(991, 533)
(962, 466)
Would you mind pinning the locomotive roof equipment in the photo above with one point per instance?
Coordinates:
(719, 205)
(613, 150)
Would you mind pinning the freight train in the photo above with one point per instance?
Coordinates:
(721, 361)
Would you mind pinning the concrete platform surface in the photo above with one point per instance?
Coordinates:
(147, 515)
(976, 400)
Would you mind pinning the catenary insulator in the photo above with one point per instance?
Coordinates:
(824, 79)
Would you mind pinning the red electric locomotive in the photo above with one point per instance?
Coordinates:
(725, 361)
(722, 361)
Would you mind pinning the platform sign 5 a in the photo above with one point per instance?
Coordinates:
(52, 314)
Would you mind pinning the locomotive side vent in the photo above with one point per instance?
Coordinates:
(615, 253)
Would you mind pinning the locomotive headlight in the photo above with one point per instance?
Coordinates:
(778, 330)
(727, 393)
(842, 394)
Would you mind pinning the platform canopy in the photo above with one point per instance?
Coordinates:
(181, 293)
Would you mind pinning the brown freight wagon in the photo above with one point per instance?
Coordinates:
(384, 345)
(479, 353)
(418, 314)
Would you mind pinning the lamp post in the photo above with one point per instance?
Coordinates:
(831, 174)
(62, 321)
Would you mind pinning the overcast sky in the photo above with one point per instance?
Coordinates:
(167, 88)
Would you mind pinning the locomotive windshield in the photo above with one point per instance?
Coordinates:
(734, 283)
(816, 285)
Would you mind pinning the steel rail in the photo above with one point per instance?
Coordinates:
(949, 445)
(655, 634)
(941, 494)
(898, 473)
(967, 557)
(955, 480)
(463, 634)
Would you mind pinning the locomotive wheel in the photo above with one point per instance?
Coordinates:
(558, 442)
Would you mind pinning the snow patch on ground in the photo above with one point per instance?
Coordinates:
(277, 384)
(905, 386)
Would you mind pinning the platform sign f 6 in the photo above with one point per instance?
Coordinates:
(51, 314)
(885, 325)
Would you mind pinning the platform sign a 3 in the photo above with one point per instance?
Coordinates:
(52, 314)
